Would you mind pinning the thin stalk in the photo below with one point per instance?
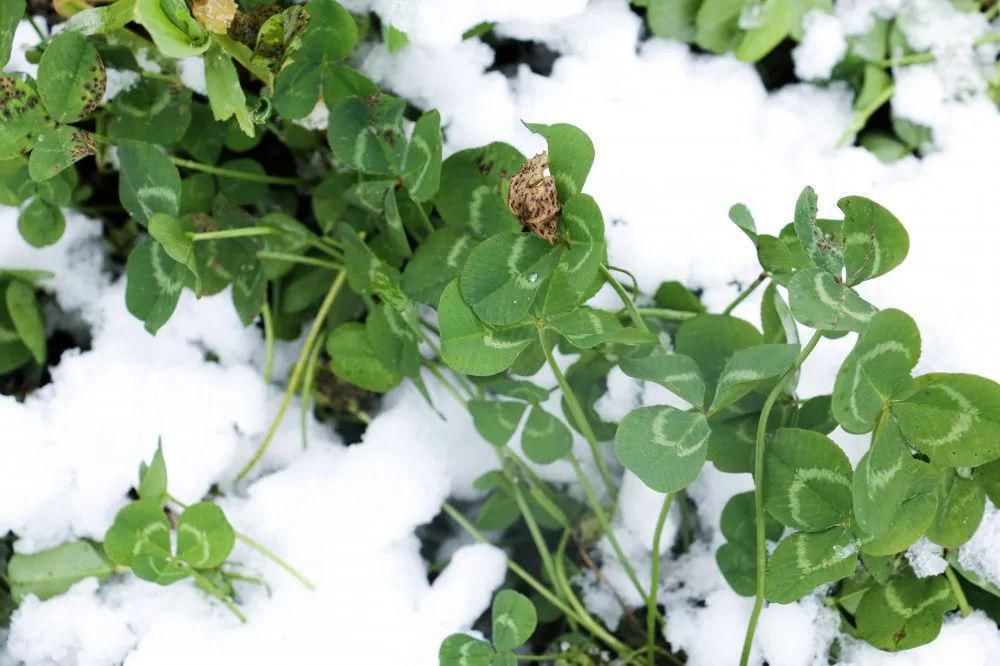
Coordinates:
(654, 578)
(631, 276)
(34, 26)
(989, 37)
(207, 586)
(265, 313)
(992, 12)
(586, 619)
(297, 372)
(582, 424)
(333, 252)
(956, 588)
(861, 117)
(742, 296)
(235, 174)
(241, 232)
(758, 497)
(626, 299)
(244, 56)
(260, 548)
(534, 583)
(307, 389)
(665, 313)
(602, 519)
(448, 386)
(529, 520)
(298, 259)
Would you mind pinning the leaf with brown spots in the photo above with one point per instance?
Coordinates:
(71, 77)
(22, 116)
(58, 149)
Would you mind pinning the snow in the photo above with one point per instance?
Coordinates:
(925, 558)
(980, 553)
(822, 46)
(679, 137)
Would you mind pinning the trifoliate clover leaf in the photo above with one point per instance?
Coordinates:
(663, 446)
(514, 620)
(204, 536)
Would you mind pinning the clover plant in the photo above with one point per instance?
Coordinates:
(476, 271)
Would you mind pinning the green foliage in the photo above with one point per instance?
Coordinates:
(514, 619)
(397, 264)
(51, 572)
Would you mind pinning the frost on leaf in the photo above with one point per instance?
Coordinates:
(216, 15)
(533, 198)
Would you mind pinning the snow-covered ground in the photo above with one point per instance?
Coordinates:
(679, 138)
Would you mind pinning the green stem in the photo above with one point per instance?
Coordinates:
(534, 583)
(582, 424)
(307, 389)
(265, 313)
(758, 497)
(956, 588)
(626, 299)
(631, 276)
(260, 548)
(909, 59)
(448, 386)
(742, 296)
(664, 313)
(585, 618)
(207, 586)
(654, 578)
(989, 37)
(34, 26)
(298, 259)
(529, 519)
(241, 232)
(235, 174)
(244, 56)
(297, 372)
(861, 116)
(602, 519)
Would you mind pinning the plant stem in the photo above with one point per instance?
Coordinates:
(585, 618)
(861, 116)
(602, 519)
(664, 313)
(742, 296)
(535, 584)
(34, 26)
(241, 232)
(307, 389)
(234, 173)
(297, 372)
(529, 520)
(758, 497)
(298, 259)
(206, 585)
(956, 588)
(582, 424)
(265, 313)
(260, 548)
(654, 578)
(243, 55)
(626, 299)
(631, 276)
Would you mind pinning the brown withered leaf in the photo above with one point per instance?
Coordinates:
(533, 198)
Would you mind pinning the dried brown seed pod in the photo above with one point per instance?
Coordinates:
(533, 198)
(215, 15)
